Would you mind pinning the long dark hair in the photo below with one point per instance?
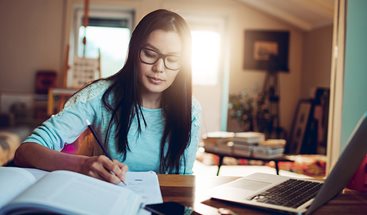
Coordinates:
(176, 100)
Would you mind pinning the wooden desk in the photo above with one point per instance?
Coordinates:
(193, 191)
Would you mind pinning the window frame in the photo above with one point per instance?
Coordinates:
(98, 13)
(214, 24)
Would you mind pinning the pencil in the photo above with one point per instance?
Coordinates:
(99, 142)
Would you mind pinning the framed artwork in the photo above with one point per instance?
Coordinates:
(266, 50)
(299, 127)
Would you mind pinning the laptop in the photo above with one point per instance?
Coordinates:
(289, 195)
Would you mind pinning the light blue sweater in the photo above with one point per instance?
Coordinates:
(66, 126)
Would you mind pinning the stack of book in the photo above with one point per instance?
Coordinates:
(219, 141)
(271, 148)
(245, 142)
(213, 137)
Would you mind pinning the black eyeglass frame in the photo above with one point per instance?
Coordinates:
(160, 56)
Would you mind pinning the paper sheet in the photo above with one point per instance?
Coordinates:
(145, 184)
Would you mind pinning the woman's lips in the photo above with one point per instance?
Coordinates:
(155, 80)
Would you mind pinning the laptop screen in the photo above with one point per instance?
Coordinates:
(345, 167)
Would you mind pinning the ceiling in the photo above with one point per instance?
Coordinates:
(304, 14)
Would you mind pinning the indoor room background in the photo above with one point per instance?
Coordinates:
(35, 35)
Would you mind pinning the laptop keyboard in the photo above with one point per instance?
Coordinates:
(291, 193)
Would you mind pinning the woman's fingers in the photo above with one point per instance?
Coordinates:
(103, 168)
(119, 169)
(108, 176)
(95, 175)
(108, 169)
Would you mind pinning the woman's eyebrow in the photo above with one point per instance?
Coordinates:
(150, 46)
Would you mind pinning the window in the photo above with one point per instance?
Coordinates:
(207, 45)
(210, 76)
(205, 57)
(108, 35)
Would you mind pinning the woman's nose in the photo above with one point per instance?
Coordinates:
(159, 65)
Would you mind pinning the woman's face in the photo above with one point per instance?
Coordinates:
(159, 61)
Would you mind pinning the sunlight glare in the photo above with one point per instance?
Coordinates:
(205, 57)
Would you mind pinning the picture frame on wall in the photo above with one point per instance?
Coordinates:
(266, 50)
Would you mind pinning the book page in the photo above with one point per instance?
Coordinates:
(70, 192)
(37, 173)
(13, 181)
(145, 184)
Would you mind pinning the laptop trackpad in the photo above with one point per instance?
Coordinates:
(241, 189)
(249, 184)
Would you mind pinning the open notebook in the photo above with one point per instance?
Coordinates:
(24, 191)
(293, 195)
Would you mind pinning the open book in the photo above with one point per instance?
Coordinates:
(34, 191)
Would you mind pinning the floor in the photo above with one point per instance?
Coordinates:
(239, 170)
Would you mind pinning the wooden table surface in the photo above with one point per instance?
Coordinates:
(193, 191)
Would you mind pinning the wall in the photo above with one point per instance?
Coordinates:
(355, 74)
(36, 36)
(316, 62)
(31, 39)
(252, 81)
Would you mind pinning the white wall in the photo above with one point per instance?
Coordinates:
(316, 65)
(31, 39)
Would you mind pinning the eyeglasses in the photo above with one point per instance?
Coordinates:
(150, 56)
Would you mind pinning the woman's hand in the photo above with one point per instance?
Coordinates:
(103, 168)
(34, 155)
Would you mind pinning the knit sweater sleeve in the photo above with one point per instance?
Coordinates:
(66, 126)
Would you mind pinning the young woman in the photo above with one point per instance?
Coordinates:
(144, 114)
